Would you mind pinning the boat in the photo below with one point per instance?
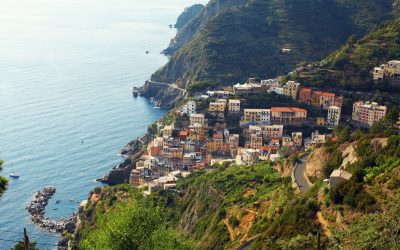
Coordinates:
(13, 174)
(147, 52)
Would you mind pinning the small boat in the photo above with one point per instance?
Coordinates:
(71, 200)
(170, 26)
(14, 175)
(58, 202)
(55, 208)
(147, 52)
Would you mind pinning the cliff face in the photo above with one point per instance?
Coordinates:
(198, 21)
(188, 15)
(232, 40)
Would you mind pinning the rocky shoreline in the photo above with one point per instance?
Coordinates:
(37, 210)
(132, 153)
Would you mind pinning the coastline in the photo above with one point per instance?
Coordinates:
(132, 153)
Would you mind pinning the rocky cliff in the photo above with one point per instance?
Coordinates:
(164, 95)
(187, 15)
(197, 22)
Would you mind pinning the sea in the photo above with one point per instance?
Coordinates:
(67, 68)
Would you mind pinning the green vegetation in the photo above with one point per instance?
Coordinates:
(20, 246)
(246, 40)
(124, 219)
(3, 180)
(350, 67)
(372, 231)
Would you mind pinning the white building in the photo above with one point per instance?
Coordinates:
(189, 108)
(278, 90)
(256, 116)
(334, 113)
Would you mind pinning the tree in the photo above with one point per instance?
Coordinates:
(20, 246)
(283, 151)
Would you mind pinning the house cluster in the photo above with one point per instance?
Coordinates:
(319, 99)
(228, 132)
(388, 70)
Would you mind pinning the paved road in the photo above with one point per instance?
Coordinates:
(299, 175)
(169, 85)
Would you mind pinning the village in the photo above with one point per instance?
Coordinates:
(215, 128)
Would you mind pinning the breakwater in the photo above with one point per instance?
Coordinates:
(37, 209)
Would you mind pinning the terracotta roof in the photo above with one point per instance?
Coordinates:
(287, 109)
(184, 133)
(218, 136)
(305, 89)
(327, 94)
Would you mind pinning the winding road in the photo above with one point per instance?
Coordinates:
(299, 175)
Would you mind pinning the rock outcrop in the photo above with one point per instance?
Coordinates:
(164, 95)
(316, 162)
(132, 152)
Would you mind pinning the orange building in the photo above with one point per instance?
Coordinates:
(285, 115)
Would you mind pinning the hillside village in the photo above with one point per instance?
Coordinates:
(214, 127)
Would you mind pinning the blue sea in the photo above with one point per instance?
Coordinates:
(66, 72)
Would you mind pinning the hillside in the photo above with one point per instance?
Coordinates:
(189, 13)
(255, 207)
(247, 39)
(350, 67)
(192, 27)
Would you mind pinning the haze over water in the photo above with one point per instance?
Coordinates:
(66, 71)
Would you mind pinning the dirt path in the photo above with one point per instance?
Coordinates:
(324, 223)
(231, 232)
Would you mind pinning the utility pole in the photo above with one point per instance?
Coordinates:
(26, 240)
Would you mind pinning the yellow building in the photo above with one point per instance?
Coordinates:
(288, 114)
(234, 106)
(272, 132)
(320, 121)
(218, 106)
(291, 89)
(197, 118)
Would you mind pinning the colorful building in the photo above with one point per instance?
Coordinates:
(368, 113)
(288, 115)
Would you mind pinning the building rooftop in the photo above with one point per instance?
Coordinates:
(288, 109)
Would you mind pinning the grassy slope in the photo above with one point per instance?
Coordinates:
(247, 40)
(351, 65)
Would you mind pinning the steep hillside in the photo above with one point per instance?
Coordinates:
(189, 13)
(350, 67)
(247, 39)
(192, 27)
